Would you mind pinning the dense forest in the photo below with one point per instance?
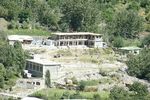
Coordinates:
(125, 18)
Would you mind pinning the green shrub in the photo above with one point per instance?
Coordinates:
(118, 42)
(66, 95)
(82, 86)
(97, 97)
(74, 80)
(77, 95)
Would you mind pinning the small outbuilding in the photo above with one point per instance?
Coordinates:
(38, 67)
(128, 50)
(24, 39)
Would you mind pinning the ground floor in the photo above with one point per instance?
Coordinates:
(77, 43)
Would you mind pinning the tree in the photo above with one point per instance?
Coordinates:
(48, 79)
(24, 16)
(126, 24)
(139, 65)
(12, 61)
(2, 82)
(20, 56)
(81, 15)
(2, 75)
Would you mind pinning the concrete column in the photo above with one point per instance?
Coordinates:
(58, 43)
(77, 42)
(82, 42)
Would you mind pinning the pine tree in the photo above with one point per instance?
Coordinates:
(47, 79)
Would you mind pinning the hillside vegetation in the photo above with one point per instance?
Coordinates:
(125, 18)
(120, 21)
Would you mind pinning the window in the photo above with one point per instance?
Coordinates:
(30, 65)
(41, 69)
(37, 83)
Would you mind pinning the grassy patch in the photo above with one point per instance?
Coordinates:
(56, 94)
(91, 82)
(32, 32)
(132, 42)
(64, 52)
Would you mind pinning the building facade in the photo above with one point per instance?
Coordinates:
(77, 39)
(38, 68)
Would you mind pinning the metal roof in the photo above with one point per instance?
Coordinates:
(76, 33)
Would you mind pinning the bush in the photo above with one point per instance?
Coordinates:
(90, 82)
(74, 80)
(118, 42)
(96, 97)
(25, 25)
(66, 95)
(147, 27)
(81, 86)
(77, 95)
(139, 88)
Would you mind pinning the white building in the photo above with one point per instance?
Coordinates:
(38, 68)
(77, 39)
(24, 39)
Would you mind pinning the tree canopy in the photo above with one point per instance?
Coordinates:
(116, 17)
(12, 61)
(139, 65)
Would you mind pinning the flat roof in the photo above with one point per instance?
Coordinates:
(77, 33)
(19, 37)
(42, 62)
(130, 48)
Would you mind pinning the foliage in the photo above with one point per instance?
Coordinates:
(12, 61)
(139, 65)
(74, 80)
(90, 82)
(77, 95)
(34, 32)
(126, 24)
(96, 97)
(82, 15)
(82, 86)
(119, 17)
(48, 79)
(118, 93)
(146, 41)
(139, 89)
(41, 96)
(140, 93)
(118, 42)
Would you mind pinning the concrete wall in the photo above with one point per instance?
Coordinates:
(53, 71)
